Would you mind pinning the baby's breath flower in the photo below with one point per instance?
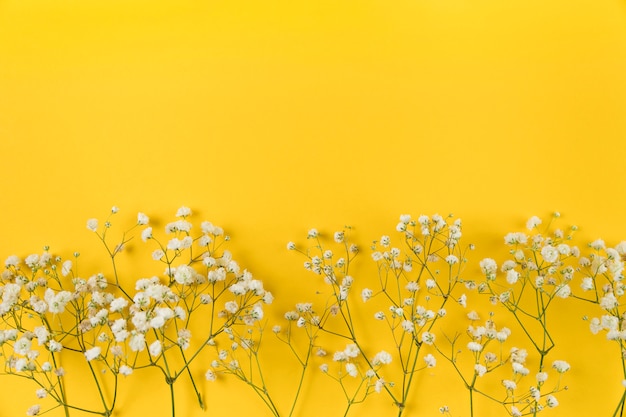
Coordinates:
(183, 212)
(92, 224)
(430, 360)
(34, 410)
(142, 219)
(428, 338)
(561, 366)
(351, 369)
(551, 401)
(533, 222)
(382, 358)
(92, 353)
(474, 346)
(480, 369)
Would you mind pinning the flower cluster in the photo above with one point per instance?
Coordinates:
(48, 308)
(196, 311)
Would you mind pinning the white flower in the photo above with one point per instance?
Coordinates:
(512, 276)
(351, 370)
(118, 304)
(184, 275)
(463, 300)
(20, 364)
(183, 212)
(54, 346)
(509, 385)
(66, 268)
(231, 307)
(563, 291)
(12, 260)
(515, 412)
(542, 377)
(155, 348)
(22, 346)
(126, 370)
(451, 259)
(33, 411)
(489, 268)
(428, 338)
(92, 224)
(338, 236)
(551, 401)
(146, 234)
(366, 294)
(408, 326)
(550, 254)
(597, 244)
(351, 350)
(474, 346)
(608, 302)
(324, 367)
(92, 353)
(587, 284)
(533, 222)
(137, 342)
(142, 219)
(518, 368)
(480, 369)
(430, 360)
(42, 334)
(210, 375)
(561, 366)
(312, 234)
(291, 246)
(515, 238)
(473, 315)
(382, 358)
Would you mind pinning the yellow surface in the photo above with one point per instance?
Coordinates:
(271, 117)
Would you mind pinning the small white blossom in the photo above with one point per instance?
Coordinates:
(142, 219)
(561, 366)
(551, 401)
(430, 360)
(351, 370)
(126, 370)
(155, 348)
(382, 358)
(92, 353)
(428, 338)
(474, 346)
(549, 253)
(533, 222)
(92, 224)
(34, 410)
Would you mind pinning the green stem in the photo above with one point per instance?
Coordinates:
(172, 397)
(100, 393)
(619, 411)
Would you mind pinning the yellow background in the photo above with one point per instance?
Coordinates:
(270, 117)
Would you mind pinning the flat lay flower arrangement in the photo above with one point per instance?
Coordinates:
(201, 317)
